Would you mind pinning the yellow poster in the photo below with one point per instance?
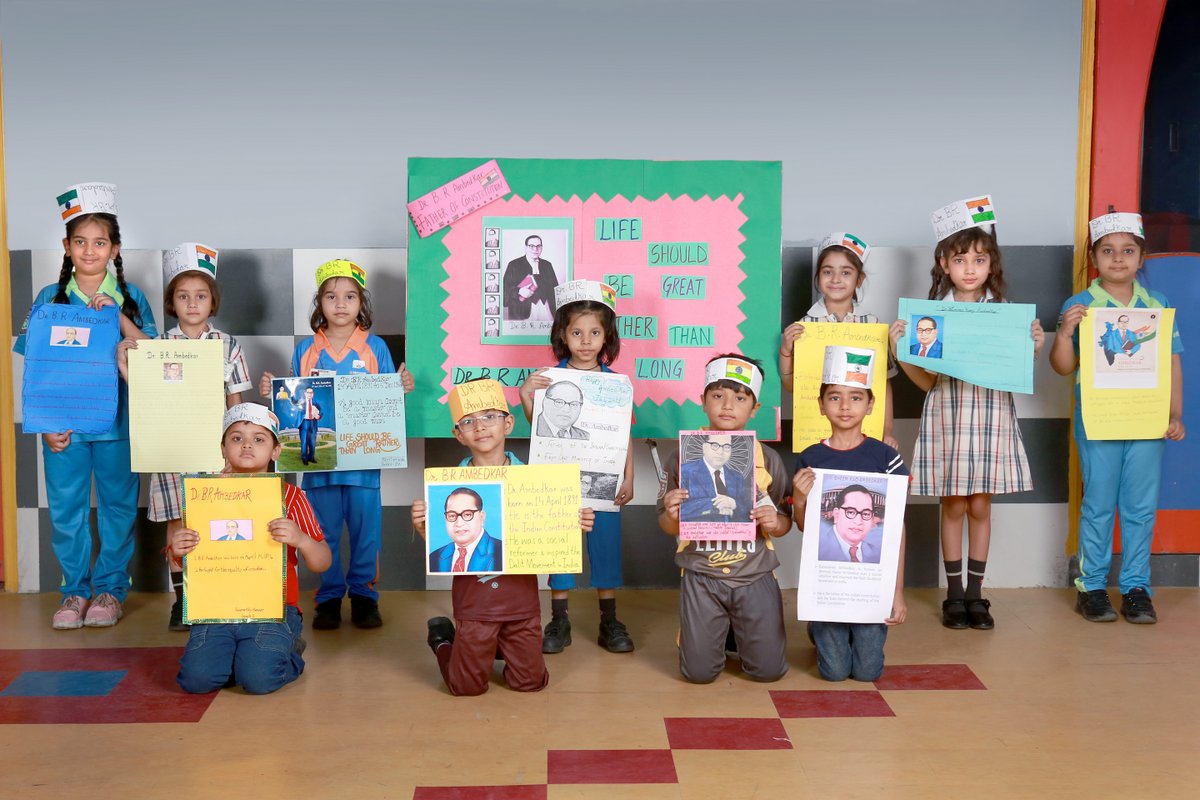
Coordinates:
(520, 520)
(176, 402)
(1125, 372)
(808, 426)
(237, 571)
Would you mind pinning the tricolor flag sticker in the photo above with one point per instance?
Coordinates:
(858, 367)
(68, 203)
(981, 210)
(740, 371)
(854, 243)
(206, 259)
(359, 275)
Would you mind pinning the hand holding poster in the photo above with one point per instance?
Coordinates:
(237, 571)
(518, 520)
(583, 418)
(70, 381)
(176, 402)
(1125, 372)
(853, 526)
(809, 426)
(987, 344)
(717, 470)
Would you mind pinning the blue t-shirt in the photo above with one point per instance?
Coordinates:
(871, 455)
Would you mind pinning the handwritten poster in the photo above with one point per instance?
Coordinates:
(1125, 372)
(467, 193)
(853, 525)
(987, 344)
(176, 404)
(584, 418)
(70, 380)
(691, 249)
(717, 470)
(340, 422)
(237, 571)
(518, 520)
(808, 424)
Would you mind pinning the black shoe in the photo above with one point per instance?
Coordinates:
(954, 614)
(557, 635)
(978, 616)
(299, 646)
(614, 637)
(1095, 606)
(1137, 608)
(364, 612)
(731, 648)
(328, 615)
(441, 630)
(176, 623)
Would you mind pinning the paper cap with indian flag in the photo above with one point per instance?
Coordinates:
(341, 268)
(1116, 222)
(254, 413)
(974, 212)
(189, 257)
(848, 366)
(736, 370)
(579, 291)
(472, 396)
(847, 240)
(88, 198)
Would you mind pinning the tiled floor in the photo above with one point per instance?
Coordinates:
(369, 718)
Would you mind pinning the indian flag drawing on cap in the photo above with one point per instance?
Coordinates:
(981, 210)
(189, 257)
(68, 203)
(741, 371)
(847, 366)
(854, 243)
(87, 198)
(608, 295)
(341, 268)
(847, 240)
(206, 259)
(858, 367)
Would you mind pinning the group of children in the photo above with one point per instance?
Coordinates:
(969, 447)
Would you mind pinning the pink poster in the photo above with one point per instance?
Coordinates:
(449, 203)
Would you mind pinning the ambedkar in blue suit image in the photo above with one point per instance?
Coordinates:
(471, 548)
(716, 492)
(850, 530)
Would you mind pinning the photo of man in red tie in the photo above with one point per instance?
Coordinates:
(471, 548)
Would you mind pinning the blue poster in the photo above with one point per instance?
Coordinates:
(987, 344)
(70, 381)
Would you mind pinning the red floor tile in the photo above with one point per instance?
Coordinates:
(929, 676)
(530, 792)
(793, 704)
(726, 733)
(610, 766)
(147, 693)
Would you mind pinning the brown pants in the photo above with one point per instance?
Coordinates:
(466, 665)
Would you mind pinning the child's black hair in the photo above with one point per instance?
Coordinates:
(725, 383)
(608, 318)
(317, 320)
(965, 241)
(129, 306)
(824, 386)
(214, 291)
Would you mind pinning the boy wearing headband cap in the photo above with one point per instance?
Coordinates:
(498, 616)
(730, 584)
(244, 653)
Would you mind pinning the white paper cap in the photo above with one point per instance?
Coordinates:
(189, 257)
(736, 370)
(88, 198)
(847, 240)
(575, 291)
(848, 366)
(1117, 222)
(974, 212)
(252, 412)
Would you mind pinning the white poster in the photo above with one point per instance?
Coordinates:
(1126, 347)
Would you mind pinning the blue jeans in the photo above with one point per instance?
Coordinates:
(259, 656)
(849, 650)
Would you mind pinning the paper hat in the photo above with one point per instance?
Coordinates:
(847, 240)
(1117, 222)
(976, 212)
(484, 395)
(736, 370)
(341, 268)
(576, 291)
(189, 257)
(848, 366)
(252, 412)
(88, 198)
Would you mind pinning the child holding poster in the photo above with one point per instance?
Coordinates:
(1117, 475)
(731, 584)
(342, 345)
(584, 336)
(498, 616)
(969, 444)
(849, 650)
(92, 596)
(838, 281)
(261, 657)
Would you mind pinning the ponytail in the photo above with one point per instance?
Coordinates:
(64, 277)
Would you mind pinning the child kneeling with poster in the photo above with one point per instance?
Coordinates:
(260, 656)
(499, 616)
(730, 584)
(844, 649)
